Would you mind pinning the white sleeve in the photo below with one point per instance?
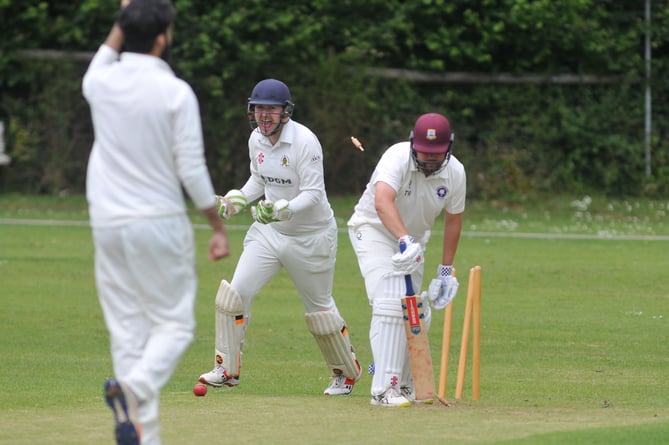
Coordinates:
(390, 169)
(189, 151)
(312, 182)
(254, 187)
(103, 57)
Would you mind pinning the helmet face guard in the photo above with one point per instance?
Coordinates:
(270, 92)
(286, 113)
(429, 167)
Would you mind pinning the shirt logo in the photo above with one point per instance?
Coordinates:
(284, 161)
(277, 181)
(261, 157)
(441, 192)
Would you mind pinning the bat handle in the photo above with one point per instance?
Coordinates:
(407, 278)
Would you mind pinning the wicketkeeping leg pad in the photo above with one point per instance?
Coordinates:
(230, 328)
(331, 334)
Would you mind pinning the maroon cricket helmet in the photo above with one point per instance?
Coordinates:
(431, 134)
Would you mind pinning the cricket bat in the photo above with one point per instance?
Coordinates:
(420, 358)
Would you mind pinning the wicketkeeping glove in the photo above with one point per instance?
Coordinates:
(442, 289)
(266, 212)
(232, 203)
(408, 261)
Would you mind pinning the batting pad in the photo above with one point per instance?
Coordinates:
(389, 345)
(331, 334)
(230, 328)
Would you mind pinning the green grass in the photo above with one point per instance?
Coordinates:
(573, 337)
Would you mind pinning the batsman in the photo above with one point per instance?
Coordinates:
(413, 182)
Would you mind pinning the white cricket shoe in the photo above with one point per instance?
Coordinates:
(340, 386)
(218, 377)
(392, 398)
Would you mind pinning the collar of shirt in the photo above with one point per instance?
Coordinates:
(145, 61)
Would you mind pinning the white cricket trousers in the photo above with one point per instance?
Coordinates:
(309, 259)
(146, 282)
(374, 250)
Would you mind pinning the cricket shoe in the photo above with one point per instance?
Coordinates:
(391, 398)
(408, 392)
(218, 377)
(342, 385)
(123, 403)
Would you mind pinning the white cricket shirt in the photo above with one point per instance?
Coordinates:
(148, 140)
(419, 199)
(291, 169)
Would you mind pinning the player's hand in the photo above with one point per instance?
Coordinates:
(266, 212)
(232, 203)
(407, 261)
(442, 289)
(218, 246)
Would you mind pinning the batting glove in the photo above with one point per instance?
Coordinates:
(410, 259)
(266, 212)
(442, 289)
(232, 203)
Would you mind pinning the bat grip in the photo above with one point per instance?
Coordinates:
(407, 278)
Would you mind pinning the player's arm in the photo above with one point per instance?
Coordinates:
(254, 187)
(384, 202)
(452, 230)
(411, 258)
(312, 177)
(218, 244)
(107, 54)
(114, 39)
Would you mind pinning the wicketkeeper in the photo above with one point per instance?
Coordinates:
(413, 182)
(294, 228)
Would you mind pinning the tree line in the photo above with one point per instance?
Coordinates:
(368, 68)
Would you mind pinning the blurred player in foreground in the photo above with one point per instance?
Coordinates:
(294, 228)
(413, 182)
(148, 145)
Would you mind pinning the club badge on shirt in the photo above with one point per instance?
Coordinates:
(441, 192)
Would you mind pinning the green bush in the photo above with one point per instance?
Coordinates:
(514, 139)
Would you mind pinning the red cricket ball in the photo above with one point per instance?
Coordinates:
(200, 390)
